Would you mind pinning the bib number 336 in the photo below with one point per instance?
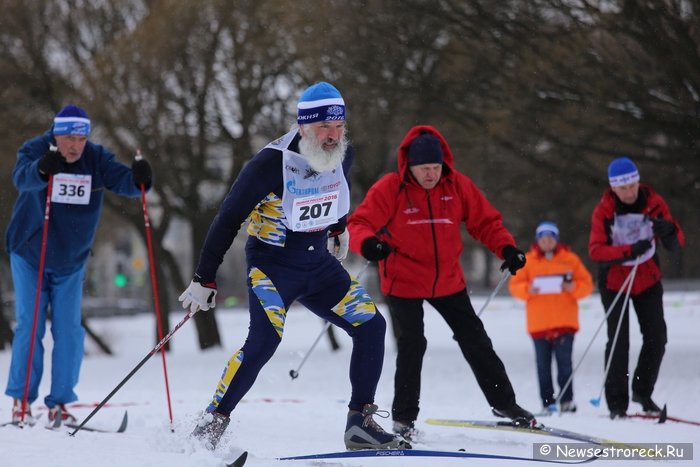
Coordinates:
(71, 189)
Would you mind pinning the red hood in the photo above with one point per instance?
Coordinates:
(413, 133)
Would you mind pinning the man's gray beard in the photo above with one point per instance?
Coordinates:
(318, 158)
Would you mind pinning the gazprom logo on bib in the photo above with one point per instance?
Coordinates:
(291, 187)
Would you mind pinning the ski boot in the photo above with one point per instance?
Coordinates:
(567, 406)
(519, 416)
(648, 406)
(407, 430)
(210, 428)
(616, 414)
(59, 415)
(17, 414)
(362, 432)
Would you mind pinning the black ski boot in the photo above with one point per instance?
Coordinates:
(648, 405)
(519, 416)
(617, 414)
(210, 428)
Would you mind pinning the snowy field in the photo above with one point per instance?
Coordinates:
(283, 417)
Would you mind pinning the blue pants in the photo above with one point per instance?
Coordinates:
(276, 278)
(562, 348)
(64, 294)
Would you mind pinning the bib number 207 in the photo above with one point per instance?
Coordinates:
(315, 211)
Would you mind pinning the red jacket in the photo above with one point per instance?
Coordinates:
(423, 226)
(612, 274)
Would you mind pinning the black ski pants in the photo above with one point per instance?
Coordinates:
(468, 331)
(650, 314)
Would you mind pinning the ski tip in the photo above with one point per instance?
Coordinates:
(240, 461)
(663, 415)
(125, 421)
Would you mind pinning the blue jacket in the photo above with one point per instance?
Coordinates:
(72, 227)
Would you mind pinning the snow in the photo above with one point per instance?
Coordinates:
(283, 417)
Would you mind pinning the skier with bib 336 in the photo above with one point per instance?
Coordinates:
(79, 172)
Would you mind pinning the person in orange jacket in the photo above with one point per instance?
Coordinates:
(551, 283)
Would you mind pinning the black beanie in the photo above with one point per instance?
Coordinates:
(425, 149)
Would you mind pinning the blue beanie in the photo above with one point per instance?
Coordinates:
(547, 228)
(622, 171)
(71, 120)
(425, 149)
(320, 103)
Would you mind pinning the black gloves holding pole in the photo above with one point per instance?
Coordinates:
(374, 249)
(52, 163)
(142, 172)
(514, 259)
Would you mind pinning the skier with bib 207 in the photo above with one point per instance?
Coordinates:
(295, 195)
(626, 225)
(81, 172)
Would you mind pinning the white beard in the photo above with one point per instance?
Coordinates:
(318, 158)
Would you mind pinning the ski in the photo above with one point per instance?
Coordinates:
(421, 453)
(17, 424)
(663, 417)
(240, 460)
(509, 426)
(121, 429)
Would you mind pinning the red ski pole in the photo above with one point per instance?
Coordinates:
(37, 299)
(154, 283)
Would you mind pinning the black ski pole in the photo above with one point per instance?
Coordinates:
(136, 368)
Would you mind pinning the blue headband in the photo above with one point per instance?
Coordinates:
(71, 120)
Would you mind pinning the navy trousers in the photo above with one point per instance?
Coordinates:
(276, 278)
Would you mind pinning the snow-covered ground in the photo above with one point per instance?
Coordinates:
(284, 417)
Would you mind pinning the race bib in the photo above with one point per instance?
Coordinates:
(630, 228)
(71, 188)
(316, 211)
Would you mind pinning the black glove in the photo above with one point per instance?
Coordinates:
(514, 259)
(142, 172)
(663, 228)
(375, 250)
(51, 163)
(639, 248)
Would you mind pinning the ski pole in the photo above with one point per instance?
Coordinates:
(295, 373)
(37, 299)
(504, 278)
(633, 273)
(133, 372)
(154, 284)
(595, 334)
